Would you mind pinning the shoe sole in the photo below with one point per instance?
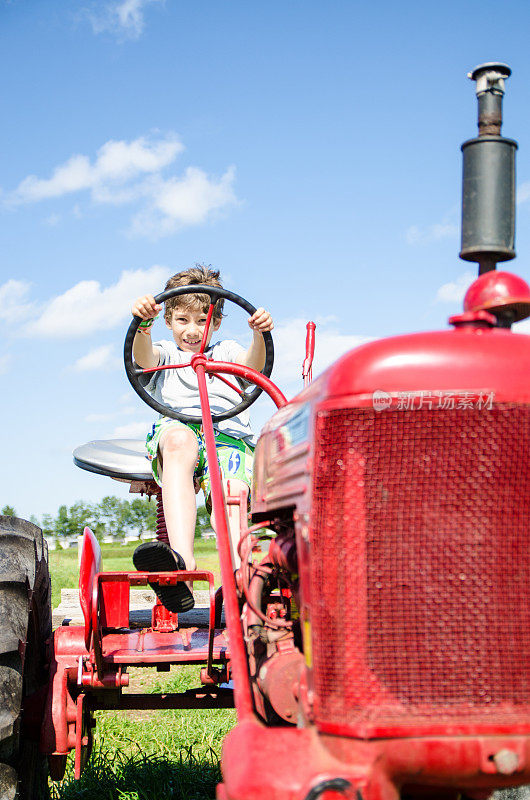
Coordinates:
(159, 557)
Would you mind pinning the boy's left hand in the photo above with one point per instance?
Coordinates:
(261, 321)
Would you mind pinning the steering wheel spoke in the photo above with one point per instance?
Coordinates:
(207, 327)
(161, 367)
(231, 385)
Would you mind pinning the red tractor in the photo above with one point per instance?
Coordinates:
(381, 646)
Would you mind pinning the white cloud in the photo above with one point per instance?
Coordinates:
(454, 291)
(446, 229)
(13, 304)
(107, 417)
(100, 358)
(130, 15)
(98, 418)
(131, 172)
(289, 346)
(88, 307)
(523, 192)
(116, 163)
(132, 430)
(53, 220)
(179, 202)
(431, 233)
(125, 18)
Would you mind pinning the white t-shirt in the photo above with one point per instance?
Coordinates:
(179, 388)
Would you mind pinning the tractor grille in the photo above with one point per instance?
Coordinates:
(421, 572)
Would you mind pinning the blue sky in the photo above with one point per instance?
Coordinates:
(309, 150)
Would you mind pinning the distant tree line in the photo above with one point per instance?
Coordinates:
(110, 517)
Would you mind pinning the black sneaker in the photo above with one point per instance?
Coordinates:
(159, 557)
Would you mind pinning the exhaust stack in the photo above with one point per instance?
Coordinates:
(488, 180)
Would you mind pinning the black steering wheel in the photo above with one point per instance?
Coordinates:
(134, 372)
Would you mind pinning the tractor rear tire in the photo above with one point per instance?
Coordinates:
(25, 627)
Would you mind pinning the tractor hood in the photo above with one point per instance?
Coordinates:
(466, 359)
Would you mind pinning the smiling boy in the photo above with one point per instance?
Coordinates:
(176, 449)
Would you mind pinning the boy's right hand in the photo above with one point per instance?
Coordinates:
(146, 307)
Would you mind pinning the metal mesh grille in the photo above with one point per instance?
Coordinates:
(421, 571)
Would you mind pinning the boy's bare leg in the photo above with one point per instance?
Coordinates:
(233, 512)
(179, 449)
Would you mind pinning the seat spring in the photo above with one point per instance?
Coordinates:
(161, 530)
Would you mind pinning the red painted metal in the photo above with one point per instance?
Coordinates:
(307, 366)
(371, 770)
(147, 647)
(111, 680)
(230, 384)
(252, 591)
(83, 734)
(107, 613)
(67, 721)
(113, 601)
(58, 730)
(188, 364)
(467, 365)
(249, 374)
(113, 647)
(162, 619)
(409, 540)
(89, 565)
(278, 679)
(161, 367)
(206, 328)
(473, 318)
(469, 358)
(215, 367)
(389, 620)
(242, 692)
(496, 290)
(403, 471)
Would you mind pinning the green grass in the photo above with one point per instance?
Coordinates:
(153, 755)
(117, 558)
(146, 755)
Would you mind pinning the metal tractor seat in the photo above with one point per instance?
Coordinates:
(122, 459)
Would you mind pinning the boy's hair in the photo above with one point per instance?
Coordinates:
(199, 274)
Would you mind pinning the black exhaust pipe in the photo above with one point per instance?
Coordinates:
(488, 180)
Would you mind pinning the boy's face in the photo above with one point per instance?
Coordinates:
(187, 326)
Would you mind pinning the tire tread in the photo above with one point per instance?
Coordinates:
(25, 610)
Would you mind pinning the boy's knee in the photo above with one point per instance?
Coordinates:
(180, 441)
